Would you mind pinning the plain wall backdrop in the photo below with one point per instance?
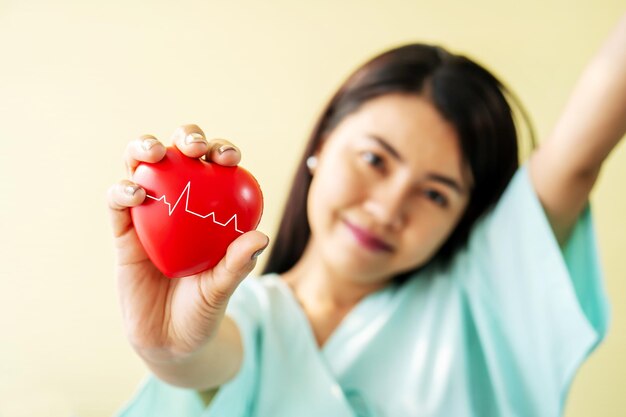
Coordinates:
(78, 80)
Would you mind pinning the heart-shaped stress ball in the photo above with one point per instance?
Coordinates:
(193, 210)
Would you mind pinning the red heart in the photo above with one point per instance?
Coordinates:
(193, 210)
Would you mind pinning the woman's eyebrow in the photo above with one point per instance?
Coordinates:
(387, 146)
(445, 180)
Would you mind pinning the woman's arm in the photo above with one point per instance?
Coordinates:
(564, 169)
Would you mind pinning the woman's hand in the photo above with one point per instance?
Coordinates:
(170, 319)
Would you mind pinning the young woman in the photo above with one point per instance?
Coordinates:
(417, 271)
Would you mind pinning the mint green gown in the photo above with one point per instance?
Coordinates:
(501, 332)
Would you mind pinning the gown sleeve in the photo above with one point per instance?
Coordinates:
(156, 398)
(536, 310)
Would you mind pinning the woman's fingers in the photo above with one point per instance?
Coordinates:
(191, 141)
(218, 284)
(146, 148)
(120, 197)
(223, 152)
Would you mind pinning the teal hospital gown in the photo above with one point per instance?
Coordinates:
(500, 332)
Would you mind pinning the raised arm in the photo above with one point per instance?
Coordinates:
(564, 168)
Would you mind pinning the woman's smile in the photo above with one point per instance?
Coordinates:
(368, 239)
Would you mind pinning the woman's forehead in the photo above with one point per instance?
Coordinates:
(410, 127)
(405, 116)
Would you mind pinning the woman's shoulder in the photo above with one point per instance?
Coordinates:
(257, 294)
(259, 285)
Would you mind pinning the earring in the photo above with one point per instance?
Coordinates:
(311, 163)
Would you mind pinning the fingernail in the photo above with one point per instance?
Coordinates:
(195, 138)
(257, 253)
(260, 251)
(131, 189)
(147, 144)
(225, 148)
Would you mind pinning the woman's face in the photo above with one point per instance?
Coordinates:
(389, 187)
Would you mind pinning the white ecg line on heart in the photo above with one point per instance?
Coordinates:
(187, 190)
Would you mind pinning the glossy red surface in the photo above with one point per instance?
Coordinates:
(193, 210)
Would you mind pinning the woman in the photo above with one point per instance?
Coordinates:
(417, 270)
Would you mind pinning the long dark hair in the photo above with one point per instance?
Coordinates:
(467, 95)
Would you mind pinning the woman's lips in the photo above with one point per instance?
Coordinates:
(367, 239)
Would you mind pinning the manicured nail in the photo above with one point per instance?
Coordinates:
(260, 251)
(225, 148)
(147, 144)
(195, 138)
(131, 189)
(257, 253)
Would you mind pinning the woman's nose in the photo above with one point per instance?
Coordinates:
(387, 207)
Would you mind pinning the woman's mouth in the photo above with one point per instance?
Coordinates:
(367, 239)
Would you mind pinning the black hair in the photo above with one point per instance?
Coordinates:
(467, 95)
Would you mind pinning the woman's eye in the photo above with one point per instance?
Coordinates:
(436, 197)
(373, 159)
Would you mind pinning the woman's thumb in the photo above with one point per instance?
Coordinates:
(220, 282)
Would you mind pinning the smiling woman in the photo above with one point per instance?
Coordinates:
(379, 193)
(447, 109)
(417, 269)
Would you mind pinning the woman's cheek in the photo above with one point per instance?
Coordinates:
(338, 187)
(344, 185)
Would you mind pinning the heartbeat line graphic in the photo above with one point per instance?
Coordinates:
(187, 190)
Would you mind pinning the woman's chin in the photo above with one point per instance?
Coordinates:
(358, 268)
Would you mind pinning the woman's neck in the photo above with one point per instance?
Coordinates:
(319, 286)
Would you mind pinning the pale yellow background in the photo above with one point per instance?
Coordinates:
(78, 80)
